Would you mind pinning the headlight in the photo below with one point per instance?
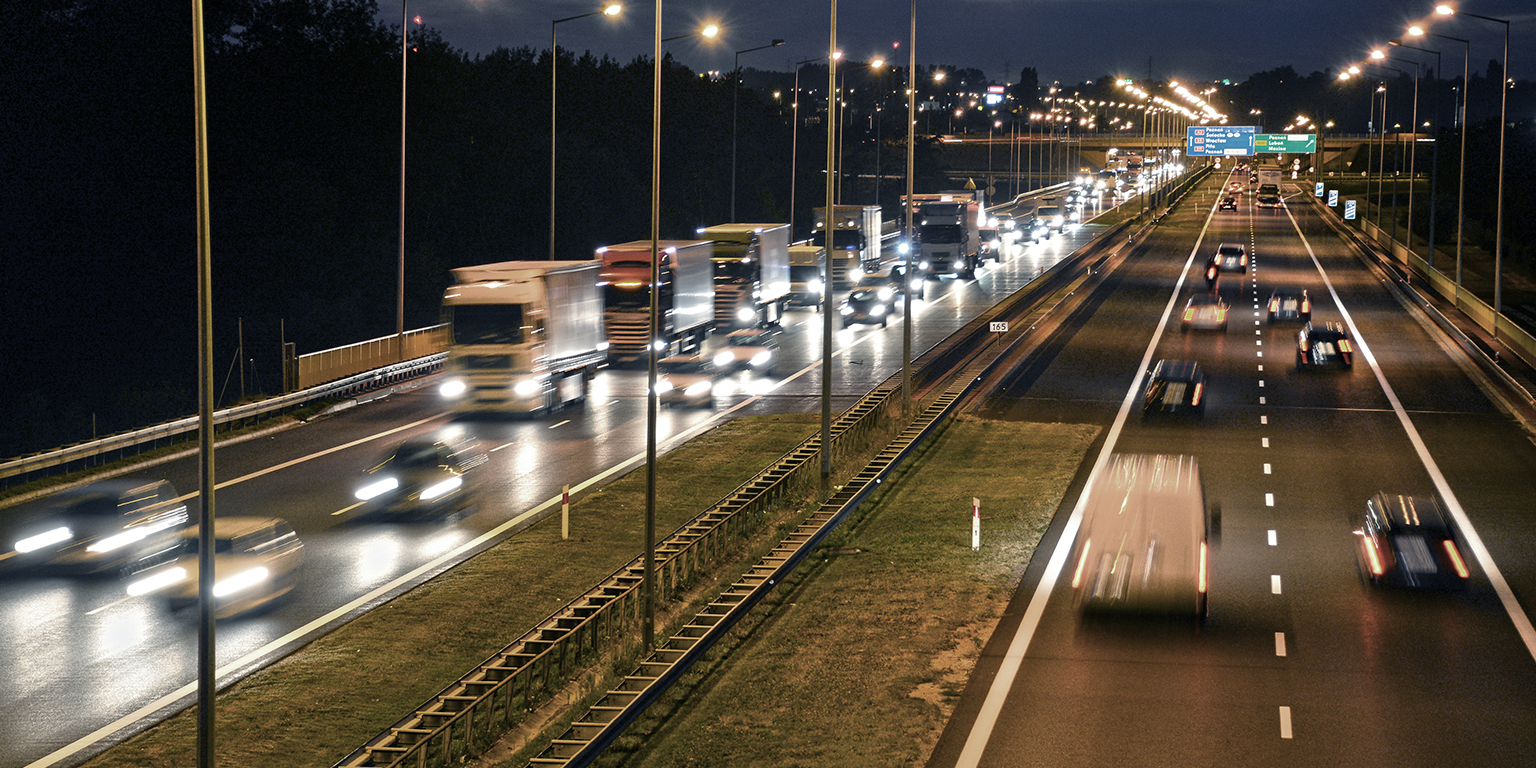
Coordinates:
(438, 489)
(156, 580)
(240, 581)
(877, 310)
(725, 358)
(903, 248)
(762, 358)
(453, 388)
(856, 274)
(746, 314)
(699, 388)
(118, 541)
(886, 294)
(814, 286)
(923, 265)
(659, 344)
(527, 387)
(663, 385)
(377, 488)
(845, 309)
(48, 538)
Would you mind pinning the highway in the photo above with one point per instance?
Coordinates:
(1300, 662)
(87, 666)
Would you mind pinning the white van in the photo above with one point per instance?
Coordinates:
(1142, 547)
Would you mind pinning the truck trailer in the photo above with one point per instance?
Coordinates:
(855, 241)
(752, 281)
(949, 235)
(526, 335)
(805, 280)
(686, 297)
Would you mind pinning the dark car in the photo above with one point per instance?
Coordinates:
(1175, 388)
(991, 248)
(420, 476)
(1231, 257)
(749, 349)
(1037, 229)
(1205, 312)
(1286, 304)
(1321, 346)
(1408, 541)
(1227, 203)
(1270, 201)
(106, 526)
(873, 300)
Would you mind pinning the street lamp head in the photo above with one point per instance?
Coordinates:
(612, 9)
(876, 63)
(1378, 55)
(1353, 70)
(710, 31)
(1445, 9)
(938, 77)
(775, 43)
(1395, 41)
(1416, 31)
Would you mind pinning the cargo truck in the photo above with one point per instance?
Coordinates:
(685, 297)
(949, 235)
(752, 280)
(526, 335)
(855, 241)
(805, 282)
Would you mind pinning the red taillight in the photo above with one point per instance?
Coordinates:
(1221, 315)
(1202, 567)
(1306, 306)
(1199, 390)
(1345, 347)
(1189, 315)
(1210, 272)
(1077, 577)
(1456, 561)
(1372, 556)
(1274, 305)
(1244, 260)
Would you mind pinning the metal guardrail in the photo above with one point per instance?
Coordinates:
(127, 442)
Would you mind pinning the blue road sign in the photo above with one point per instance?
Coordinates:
(1349, 210)
(1219, 140)
(1333, 199)
(1317, 190)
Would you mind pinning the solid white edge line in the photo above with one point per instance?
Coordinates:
(981, 730)
(1512, 606)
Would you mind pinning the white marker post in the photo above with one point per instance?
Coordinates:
(565, 513)
(975, 524)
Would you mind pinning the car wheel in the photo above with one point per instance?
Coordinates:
(882, 322)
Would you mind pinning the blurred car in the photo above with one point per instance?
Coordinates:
(686, 380)
(1228, 203)
(1320, 346)
(420, 476)
(1290, 304)
(871, 301)
(256, 560)
(1268, 189)
(991, 248)
(1175, 388)
(1053, 216)
(1235, 188)
(1408, 541)
(106, 526)
(1232, 257)
(1269, 201)
(749, 349)
(1037, 229)
(1205, 312)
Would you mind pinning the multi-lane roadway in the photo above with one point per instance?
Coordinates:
(1300, 662)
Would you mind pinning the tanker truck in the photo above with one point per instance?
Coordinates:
(526, 335)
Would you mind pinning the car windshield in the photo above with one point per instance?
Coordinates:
(416, 455)
(680, 366)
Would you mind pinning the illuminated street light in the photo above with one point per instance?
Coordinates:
(610, 10)
(735, 93)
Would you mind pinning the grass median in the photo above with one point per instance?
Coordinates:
(320, 703)
(860, 657)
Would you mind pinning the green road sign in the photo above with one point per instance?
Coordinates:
(1305, 143)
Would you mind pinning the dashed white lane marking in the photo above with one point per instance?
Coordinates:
(1285, 722)
(559, 424)
(1261, 401)
(1274, 584)
(1272, 540)
(1269, 499)
(1263, 419)
(1261, 368)
(1266, 468)
(1279, 643)
(1264, 441)
(1261, 354)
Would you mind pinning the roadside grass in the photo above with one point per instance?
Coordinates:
(325, 700)
(861, 656)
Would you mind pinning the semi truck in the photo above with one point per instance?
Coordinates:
(752, 280)
(526, 335)
(949, 235)
(805, 282)
(855, 241)
(685, 297)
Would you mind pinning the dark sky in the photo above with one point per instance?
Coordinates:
(1065, 40)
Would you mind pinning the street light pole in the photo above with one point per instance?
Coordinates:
(794, 144)
(1413, 138)
(906, 324)
(735, 91)
(1498, 225)
(1434, 168)
(1461, 172)
(609, 9)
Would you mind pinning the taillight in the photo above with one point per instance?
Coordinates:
(1199, 390)
(1077, 577)
(1372, 555)
(1244, 260)
(1210, 272)
(1456, 561)
(1221, 315)
(1189, 315)
(1306, 306)
(1274, 305)
(1202, 567)
(1345, 347)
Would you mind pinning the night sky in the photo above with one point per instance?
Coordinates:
(1065, 40)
